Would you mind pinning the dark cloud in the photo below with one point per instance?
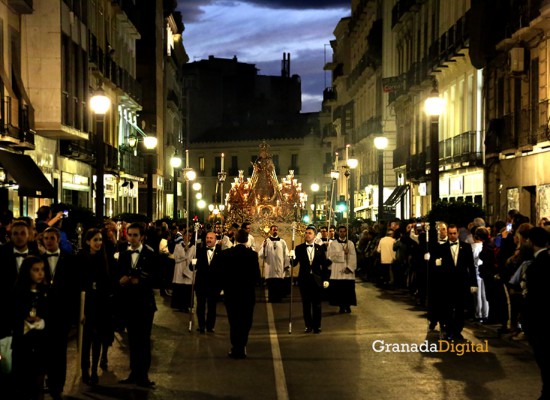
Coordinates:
(192, 9)
(300, 5)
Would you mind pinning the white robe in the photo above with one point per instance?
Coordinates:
(274, 258)
(340, 261)
(182, 273)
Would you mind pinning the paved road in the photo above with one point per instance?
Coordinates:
(340, 363)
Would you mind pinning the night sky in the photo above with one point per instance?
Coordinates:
(259, 32)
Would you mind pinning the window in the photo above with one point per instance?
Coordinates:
(201, 166)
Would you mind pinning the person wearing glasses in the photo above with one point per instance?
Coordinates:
(136, 269)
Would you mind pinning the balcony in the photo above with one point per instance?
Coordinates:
(131, 164)
(400, 156)
(17, 120)
(401, 8)
(330, 94)
(21, 6)
(450, 43)
(82, 150)
(464, 149)
(416, 168)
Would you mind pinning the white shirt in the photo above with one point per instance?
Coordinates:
(135, 256)
(19, 260)
(52, 261)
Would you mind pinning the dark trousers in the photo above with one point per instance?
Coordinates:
(275, 289)
(311, 303)
(57, 357)
(536, 334)
(91, 341)
(240, 316)
(206, 310)
(453, 312)
(139, 328)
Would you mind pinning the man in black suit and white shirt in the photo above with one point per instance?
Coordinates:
(63, 295)
(136, 269)
(312, 278)
(207, 283)
(240, 272)
(455, 267)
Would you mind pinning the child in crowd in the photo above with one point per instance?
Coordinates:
(29, 334)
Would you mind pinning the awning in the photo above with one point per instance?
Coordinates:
(396, 195)
(31, 180)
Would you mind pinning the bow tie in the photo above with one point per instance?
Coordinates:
(210, 249)
(133, 251)
(274, 238)
(324, 239)
(453, 243)
(20, 254)
(52, 255)
(309, 245)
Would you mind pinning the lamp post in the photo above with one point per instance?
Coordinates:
(314, 189)
(351, 163)
(189, 175)
(100, 104)
(150, 143)
(334, 174)
(434, 107)
(380, 143)
(175, 162)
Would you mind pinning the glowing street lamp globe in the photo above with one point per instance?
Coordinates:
(150, 142)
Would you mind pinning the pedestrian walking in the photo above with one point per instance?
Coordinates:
(313, 277)
(240, 272)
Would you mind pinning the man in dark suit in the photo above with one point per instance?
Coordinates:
(136, 270)
(455, 268)
(537, 303)
(63, 295)
(312, 278)
(240, 272)
(207, 285)
(12, 255)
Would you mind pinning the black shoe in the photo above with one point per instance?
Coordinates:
(432, 326)
(348, 310)
(237, 355)
(86, 377)
(211, 330)
(201, 330)
(317, 330)
(129, 380)
(56, 396)
(308, 330)
(94, 379)
(342, 310)
(146, 383)
(103, 364)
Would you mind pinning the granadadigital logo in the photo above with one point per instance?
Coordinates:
(441, 346)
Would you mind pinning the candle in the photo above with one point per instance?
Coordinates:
(222, 161)
(347, 152)
(186, 158)
(336, 162)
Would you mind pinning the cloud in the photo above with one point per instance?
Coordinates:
(193, 10)
(260, 36)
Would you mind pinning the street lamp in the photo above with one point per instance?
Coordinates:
(434, 106)
(175, 163)
(189, 175)
(381, 143)
(351, 163)
(150, 143)
(314, 189)
(100, 104)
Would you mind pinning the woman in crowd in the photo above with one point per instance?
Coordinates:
(97, 284)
